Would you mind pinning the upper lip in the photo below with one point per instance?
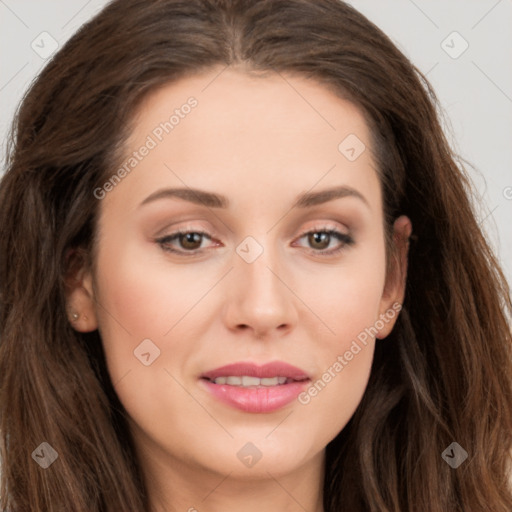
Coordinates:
(268, 370)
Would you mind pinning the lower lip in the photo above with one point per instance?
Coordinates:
(256, 400)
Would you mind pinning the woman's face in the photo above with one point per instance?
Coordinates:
(256, 288)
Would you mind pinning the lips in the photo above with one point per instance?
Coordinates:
(269, 370)
(255, 389)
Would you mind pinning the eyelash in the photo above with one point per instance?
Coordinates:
(346, 240)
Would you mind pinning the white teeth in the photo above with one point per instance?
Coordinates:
(251, 381)
(247, 381)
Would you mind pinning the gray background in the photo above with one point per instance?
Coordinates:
(474, 84)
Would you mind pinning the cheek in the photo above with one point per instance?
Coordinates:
(343, 359)
(137, 300)
(347, 297)
(348, 304)
(143, 300)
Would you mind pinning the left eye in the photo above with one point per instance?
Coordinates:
(189, 240)
(319, 240)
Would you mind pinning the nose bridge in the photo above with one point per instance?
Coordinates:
(256, 265)
(260, 298)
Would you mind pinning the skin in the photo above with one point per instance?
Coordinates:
(260, 142)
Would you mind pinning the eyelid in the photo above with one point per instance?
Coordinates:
(321, 227)
(182, 231)
(345, 238)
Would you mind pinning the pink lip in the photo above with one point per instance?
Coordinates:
(257, 400)
(277, 368)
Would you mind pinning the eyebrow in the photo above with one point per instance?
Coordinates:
(212, 200)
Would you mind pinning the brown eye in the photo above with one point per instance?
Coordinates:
(183, 242)
(319, 239)
(190, 241)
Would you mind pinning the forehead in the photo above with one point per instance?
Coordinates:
(274, 131)
(229, 99)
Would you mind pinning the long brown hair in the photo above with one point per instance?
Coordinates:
(443, 375)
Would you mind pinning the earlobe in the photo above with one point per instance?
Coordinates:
(394, 289)
(81, 304)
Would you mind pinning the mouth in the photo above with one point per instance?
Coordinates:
(247, 370)
(247, 381)
(255, 389)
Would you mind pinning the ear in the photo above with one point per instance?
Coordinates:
(396, 278)
(80, 299)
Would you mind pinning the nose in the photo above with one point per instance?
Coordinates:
(260, 297)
